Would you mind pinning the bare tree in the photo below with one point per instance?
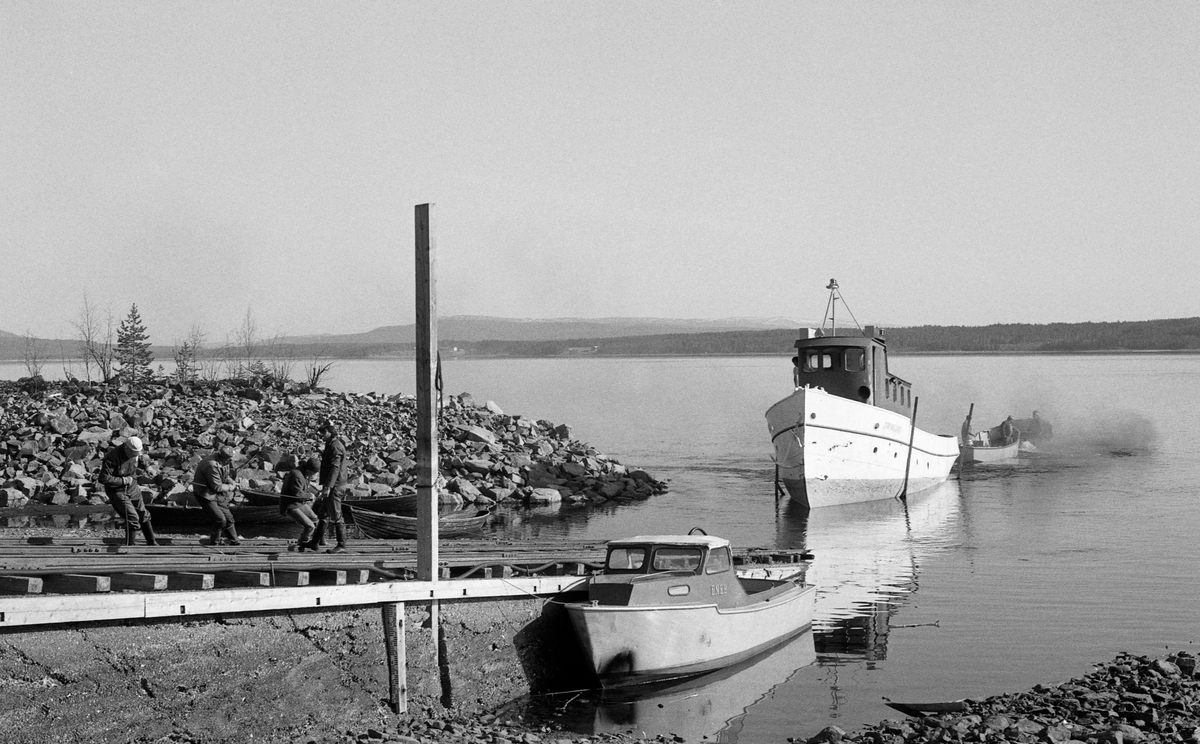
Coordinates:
(315, 371)
(188, 362)
(94, 332)
(35, 355)
(68, 363)
(281, 359)
(242, 349)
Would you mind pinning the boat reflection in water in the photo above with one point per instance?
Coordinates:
(866, 558)
(707, 708)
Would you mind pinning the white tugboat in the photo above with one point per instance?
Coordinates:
(846, 433)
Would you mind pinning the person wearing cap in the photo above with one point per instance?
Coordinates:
(295, 499)
(213, 488)
(118, 475)
(333, 485)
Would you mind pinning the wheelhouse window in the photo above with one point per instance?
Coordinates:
(626, 559)
(815, 359)
(677, 559)
(718, 561)
(856, 360)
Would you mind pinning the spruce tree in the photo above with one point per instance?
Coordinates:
(133, 348)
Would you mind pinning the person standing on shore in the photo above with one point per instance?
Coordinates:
(333, 484)
(966, 430)
(295, 500)
(118, 475)
(213, 487)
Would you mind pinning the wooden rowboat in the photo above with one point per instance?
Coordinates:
(673, 606)
(976, 453)
(404, 503)
(194, 515)
(919, 710)
(378, 526)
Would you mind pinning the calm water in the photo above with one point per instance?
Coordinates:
(1007, 578)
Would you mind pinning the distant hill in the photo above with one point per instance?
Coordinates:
(469, 328)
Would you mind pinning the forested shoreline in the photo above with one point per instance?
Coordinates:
(1172, 335)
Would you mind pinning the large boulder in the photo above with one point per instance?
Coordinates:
(12, 497)
(63, 424)
(545, 496)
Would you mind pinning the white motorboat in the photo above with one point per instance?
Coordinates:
(674, 606)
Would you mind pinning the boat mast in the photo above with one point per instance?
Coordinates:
(831, 309)
(831, 306)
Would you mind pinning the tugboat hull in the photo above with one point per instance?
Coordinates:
(831, 450)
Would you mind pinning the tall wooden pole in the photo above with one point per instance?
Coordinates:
(397, 660)
(908, 460)
(427, 435)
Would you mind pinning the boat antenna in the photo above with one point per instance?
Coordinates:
(831, 309)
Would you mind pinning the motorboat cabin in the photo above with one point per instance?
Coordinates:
(672, 570)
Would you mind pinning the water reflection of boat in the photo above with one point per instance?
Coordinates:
(866, 562)
(707, 708)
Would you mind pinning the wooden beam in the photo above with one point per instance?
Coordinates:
(426, 423)
(291, 578)
(327, 577)
(187, 580)
(20, 584)
(393, 633)
(244, 578)
(142, 582)
(76, 583)
(52, 609)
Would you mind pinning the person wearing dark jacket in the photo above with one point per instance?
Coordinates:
(1007, 430)
(118, 475)
(213, 488)
(295, 500)
(333, 485)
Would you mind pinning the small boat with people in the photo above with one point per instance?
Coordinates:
(847, 432)
(1036, 432)
(999, 444)
(674, 606)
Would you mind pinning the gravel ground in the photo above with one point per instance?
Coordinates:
(1130, 699)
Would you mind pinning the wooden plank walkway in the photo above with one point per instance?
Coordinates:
(68, 580)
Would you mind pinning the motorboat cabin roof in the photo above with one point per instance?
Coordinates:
(705, 541)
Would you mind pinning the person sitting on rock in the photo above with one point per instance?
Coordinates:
(333, 484)
(213, 488)
(295, 500)
(118, 475)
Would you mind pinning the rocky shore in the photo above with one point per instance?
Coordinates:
(52, 436)
(1132, 699)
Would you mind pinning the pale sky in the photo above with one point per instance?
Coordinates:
(952, 163)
